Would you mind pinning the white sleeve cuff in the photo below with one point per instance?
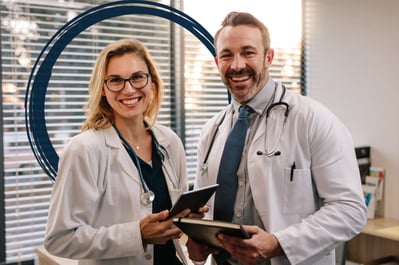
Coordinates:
(198, 262)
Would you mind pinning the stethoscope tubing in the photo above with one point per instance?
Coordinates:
(148, 195)
(280, 102)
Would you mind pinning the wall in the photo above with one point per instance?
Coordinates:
(353, 69)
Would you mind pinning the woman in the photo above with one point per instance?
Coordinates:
(118, 177)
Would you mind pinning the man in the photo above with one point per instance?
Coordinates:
(298, 190)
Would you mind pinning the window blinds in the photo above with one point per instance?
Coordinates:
(193, 93)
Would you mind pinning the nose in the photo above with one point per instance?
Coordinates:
(238, 63)
(128, 85)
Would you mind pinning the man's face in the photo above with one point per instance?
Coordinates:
(241, 61)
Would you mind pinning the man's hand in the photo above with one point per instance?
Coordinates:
(261, 246)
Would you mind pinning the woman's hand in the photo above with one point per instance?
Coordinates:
(200, 214)
(156, 229)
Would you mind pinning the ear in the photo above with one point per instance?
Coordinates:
(269, 57)
(216, 60)
(103, 93)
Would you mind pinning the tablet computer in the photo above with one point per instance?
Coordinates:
(206, 231)
(193, 199)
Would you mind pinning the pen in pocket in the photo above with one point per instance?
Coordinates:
(292, 171)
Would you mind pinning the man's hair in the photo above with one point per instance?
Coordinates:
(242, 18)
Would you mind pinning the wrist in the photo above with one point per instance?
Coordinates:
(277, 250)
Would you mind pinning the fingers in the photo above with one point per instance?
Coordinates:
(200, 213)
(156, 230)
(240, 250)
(251, 229)
(183, 213)
(157, 234)
(261, 246)
(198, 251)
(196, 215)
(203, 209)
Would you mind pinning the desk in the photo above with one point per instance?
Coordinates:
(378, 240)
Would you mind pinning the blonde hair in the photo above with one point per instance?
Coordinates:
(99, 113)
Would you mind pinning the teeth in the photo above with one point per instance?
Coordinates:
(238, 79)
(130, 101)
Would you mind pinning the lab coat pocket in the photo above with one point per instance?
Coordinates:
(174, 194)
(298, 192)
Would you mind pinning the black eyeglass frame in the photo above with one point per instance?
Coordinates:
(130, 80)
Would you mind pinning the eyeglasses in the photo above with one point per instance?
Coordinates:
(137, 80)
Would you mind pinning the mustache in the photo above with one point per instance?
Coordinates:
(243, 71)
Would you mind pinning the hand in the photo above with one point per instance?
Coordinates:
(183, 213)
(186, 213)
(156, 230)
(261, 246)
(200, 214)
(198, 251)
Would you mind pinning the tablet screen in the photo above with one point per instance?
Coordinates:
(193, 199)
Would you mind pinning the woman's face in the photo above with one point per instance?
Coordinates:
(130, 101)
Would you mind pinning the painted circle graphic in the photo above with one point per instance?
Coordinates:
(36, 91)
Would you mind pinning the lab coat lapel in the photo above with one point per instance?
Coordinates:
(122, 157)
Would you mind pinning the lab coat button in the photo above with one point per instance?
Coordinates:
(148, 256)
(241, 183)
(238, 214)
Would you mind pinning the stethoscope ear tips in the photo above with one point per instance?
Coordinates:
(259, 153)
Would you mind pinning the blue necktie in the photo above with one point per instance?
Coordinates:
(227, 177)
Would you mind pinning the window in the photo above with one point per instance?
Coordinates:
(193, 94)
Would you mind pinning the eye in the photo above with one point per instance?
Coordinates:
(225, 56)
(115, 80)
(249, 53)
(138, 77)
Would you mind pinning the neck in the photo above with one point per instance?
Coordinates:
(135, 136)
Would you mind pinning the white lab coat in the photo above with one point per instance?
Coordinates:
(95, 206)
(323, 205)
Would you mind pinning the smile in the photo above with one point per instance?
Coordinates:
(240, 78)
(131, 101)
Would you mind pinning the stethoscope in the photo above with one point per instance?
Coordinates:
(273, 151)
(147, 196)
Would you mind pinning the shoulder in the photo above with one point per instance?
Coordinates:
(87, 137)
(165, 135)
(92, 139)
(160, 130)
(313, 115)
(218, 118)
(307, 107)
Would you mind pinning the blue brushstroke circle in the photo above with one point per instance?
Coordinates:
(35, 123)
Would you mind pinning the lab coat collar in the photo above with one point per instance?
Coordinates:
(258, 103)
(112, 139)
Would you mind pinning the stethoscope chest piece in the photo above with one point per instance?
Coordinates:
(147, 197)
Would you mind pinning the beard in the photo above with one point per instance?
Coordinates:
(258, 81)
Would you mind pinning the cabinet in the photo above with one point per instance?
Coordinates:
(379, 240)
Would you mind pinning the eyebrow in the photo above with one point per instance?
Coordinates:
(246, 47)
(132, 74)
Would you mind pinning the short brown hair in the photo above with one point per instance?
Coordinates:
(242, 18)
